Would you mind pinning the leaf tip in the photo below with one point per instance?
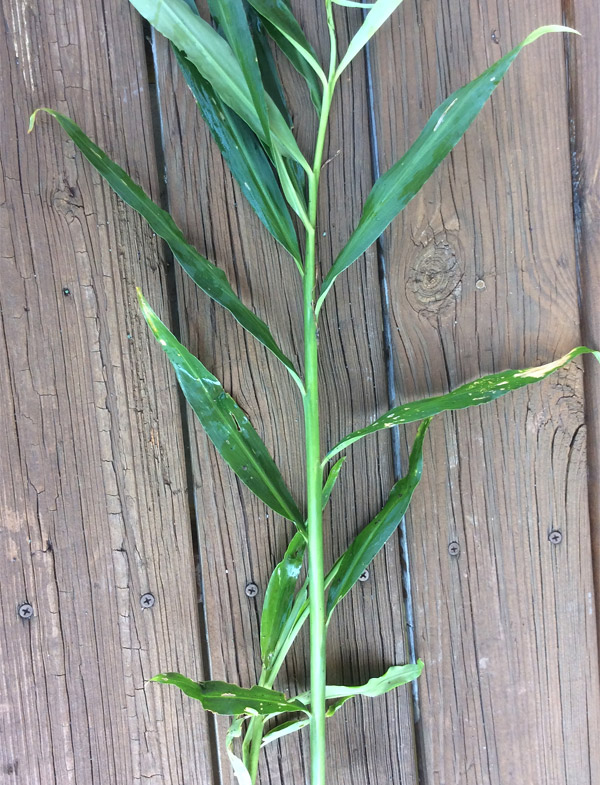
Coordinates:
(540, 31)
(33, 116)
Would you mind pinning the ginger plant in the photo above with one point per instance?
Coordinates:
(230, 70)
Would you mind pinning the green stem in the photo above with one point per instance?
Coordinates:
(314, 469)
(314, 480)
(314, 483)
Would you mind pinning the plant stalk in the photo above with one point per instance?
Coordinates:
(314, 469)
(314, 483)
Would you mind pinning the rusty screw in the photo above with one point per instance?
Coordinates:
(147, 600)
(555, 537)
(454, 549)
(25, 610)
(364, 576)
(251, 589)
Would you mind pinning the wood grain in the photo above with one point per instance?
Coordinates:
(94, 509)
(482, 277)
(584, 66)
(240, 541)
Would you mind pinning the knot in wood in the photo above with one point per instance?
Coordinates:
(434, 279)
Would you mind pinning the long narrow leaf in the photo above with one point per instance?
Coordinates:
(231, 17)
(393, 678)
(378, 14)
(313, 83)
(220, 697)
(266, 63)
(330, 482)
(483, 390)
(215, 60)
(206, 275)
(273, 86)
(279, 597)
(394, 189)
(225, 423)
(373, 537)
(284, 729)
(245, 158)
(279, 19)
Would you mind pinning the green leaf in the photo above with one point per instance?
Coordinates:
(237, 764)
(273, 86)
(245, 158)
(482, 390)
(217, 63)
(394, 189)
(284, 729)
(313, 83)
(294, 197)
(223, 698)
(279, 597)
(225, 423)
(378, 14)
(330, 482)
(284, 29)
(373, 537)
(394, 677)
(266, 63)
(231, 17)
(206, 275)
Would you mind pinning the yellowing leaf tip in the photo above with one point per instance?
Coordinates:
(33, 117)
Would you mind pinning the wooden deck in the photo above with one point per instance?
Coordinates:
(111, 491)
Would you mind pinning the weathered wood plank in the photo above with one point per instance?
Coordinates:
(94, 509)
(482, 277)
(239, 543)
(584, 62)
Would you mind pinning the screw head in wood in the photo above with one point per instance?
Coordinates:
(66, 291)
(364, 576)
(251, 589)
(454, 549)
(147, 600)
(25, 610)
(555, 537)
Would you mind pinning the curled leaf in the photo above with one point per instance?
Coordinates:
(393, 678)
(237, 764)
(474, 393)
